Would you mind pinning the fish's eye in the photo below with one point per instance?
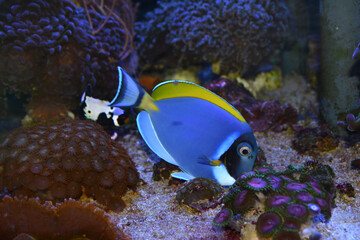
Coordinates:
(244, 151)
(89, 111)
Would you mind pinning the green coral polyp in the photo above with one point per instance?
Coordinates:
(316, 189)
(304, 197)
(243, 201)
(265, 171)
(276, 183)
(223, 217)
(230, 195)
(297, 211)
(287, 234)
(289, 198)
(292, 224)
(256, 184)
(277, 201)
(268, 223)
(295, 187)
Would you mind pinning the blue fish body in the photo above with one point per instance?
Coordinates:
(187, 131)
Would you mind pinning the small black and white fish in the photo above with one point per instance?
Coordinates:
(99, 111)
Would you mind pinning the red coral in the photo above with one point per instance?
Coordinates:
(261, 116)
(26, 218)
(66, 160)
(270, 115)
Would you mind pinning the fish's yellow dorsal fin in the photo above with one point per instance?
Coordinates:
(174, 89)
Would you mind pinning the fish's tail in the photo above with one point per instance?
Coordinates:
(131, 94)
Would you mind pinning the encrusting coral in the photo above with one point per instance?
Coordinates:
(66, 160)
(311, 141)
(200, 193)
(239, 34)
(22, 218)
(287, 200)
(50, 52)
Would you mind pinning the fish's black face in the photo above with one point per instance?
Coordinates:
(240, 157)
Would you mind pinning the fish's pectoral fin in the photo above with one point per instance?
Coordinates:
(206, 161)
(182, 175)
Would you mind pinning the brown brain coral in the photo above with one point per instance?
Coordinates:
(28, 219)
(66, 160)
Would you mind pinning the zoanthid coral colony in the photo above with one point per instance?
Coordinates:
(66, 160)
(287, 200)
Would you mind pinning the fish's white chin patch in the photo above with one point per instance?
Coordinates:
(222, 176)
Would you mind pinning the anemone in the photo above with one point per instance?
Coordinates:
(230, 195)
(276, 183)
(316, 188)
(223, 217)
(297, 211)
(295, 187)
(292, 224)
(314, 208)
(323, 204)
(277, 201)
(248, 174)
(268, 223)
(286, 178)
(304, 197)
(256, 183)
(265, 170)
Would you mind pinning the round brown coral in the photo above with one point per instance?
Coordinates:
(200, 193)
(68, 220)
(65, 160)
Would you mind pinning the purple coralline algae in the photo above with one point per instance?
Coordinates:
(49, 51)
(285, 207)
(352, 119)
(239, 34)
(261, 116)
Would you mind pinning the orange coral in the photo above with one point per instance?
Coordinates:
(28, 219)
(65, 160)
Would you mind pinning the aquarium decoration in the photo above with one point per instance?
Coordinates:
(49, 50)
(286, 200)
(338, 90)
(23, 218)
(238, 34)
(66, 160)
